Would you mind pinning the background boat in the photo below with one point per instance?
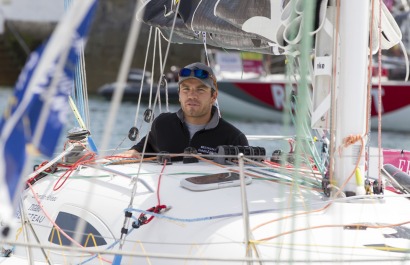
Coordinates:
(148, 90)
(247, 92)
(264, 100)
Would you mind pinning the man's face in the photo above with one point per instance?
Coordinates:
(196, 100)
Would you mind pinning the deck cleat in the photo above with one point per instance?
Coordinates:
(189, 158)
(164, 156)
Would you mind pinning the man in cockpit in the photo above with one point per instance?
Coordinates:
(196, 124)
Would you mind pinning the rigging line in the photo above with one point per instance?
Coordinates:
(238, 214)
(306, 43)
(317, 210)
(126, 222)
(157, 31)
(23, 218)
(169, 42)
(134, 182)
(159, 181)
(79, 87)
(87, 157)
(166, 94)
(162, 76)
(151, 120)
(293, 215)
(119, 173)
(143, 77)
(369, 83)
(274, 180)
(85, 89)
(249, 174)
(198, 219)
(283, 169)
(33, 232)
(158, 93)
(379, 103)
(312, 149)
(118, 146)
(206, 49)
(49, 164)
(154, 51)
(142, 220)
(331, 226)
(169, 257)
(245, 212)
(203, 34)
(326, 206)
(245, 209)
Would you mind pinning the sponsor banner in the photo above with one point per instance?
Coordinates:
(398, 158)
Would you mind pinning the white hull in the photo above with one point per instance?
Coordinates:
(395, 120)
(321, 231)
(234, 107)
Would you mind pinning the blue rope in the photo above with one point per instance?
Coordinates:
(67, 4)
(118, 258)
(79, 89)
(199, 219)
(77, 86)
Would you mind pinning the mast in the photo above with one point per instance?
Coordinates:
(351, 74)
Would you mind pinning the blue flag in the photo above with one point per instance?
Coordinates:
(37, 110)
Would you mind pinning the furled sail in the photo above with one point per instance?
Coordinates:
(265, 26)
(245, 25)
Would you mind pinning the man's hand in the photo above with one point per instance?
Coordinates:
(129, 153)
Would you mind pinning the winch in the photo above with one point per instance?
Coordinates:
(77, 137)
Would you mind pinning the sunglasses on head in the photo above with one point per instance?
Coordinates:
(198, 73)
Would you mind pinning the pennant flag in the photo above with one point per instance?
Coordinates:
(37, 111)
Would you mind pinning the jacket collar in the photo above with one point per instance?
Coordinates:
(213, 122)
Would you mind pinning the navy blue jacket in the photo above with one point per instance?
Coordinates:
(169, 133)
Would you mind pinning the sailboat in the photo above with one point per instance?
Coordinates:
(315, 203)
(258, 96)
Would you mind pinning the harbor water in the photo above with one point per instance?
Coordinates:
(99, 111)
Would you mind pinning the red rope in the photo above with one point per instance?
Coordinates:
(349, 140)
(50, 169)
(88, 157)
(158, 207)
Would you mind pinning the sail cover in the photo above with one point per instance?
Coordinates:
(264, 26)
(257, 26)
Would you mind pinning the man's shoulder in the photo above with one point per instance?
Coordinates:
(236, 136)
(166, 114)
(165, 117)
(227, 125)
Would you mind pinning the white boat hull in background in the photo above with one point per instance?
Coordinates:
(265, 101)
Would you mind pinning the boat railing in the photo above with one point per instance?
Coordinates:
(116, 172)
